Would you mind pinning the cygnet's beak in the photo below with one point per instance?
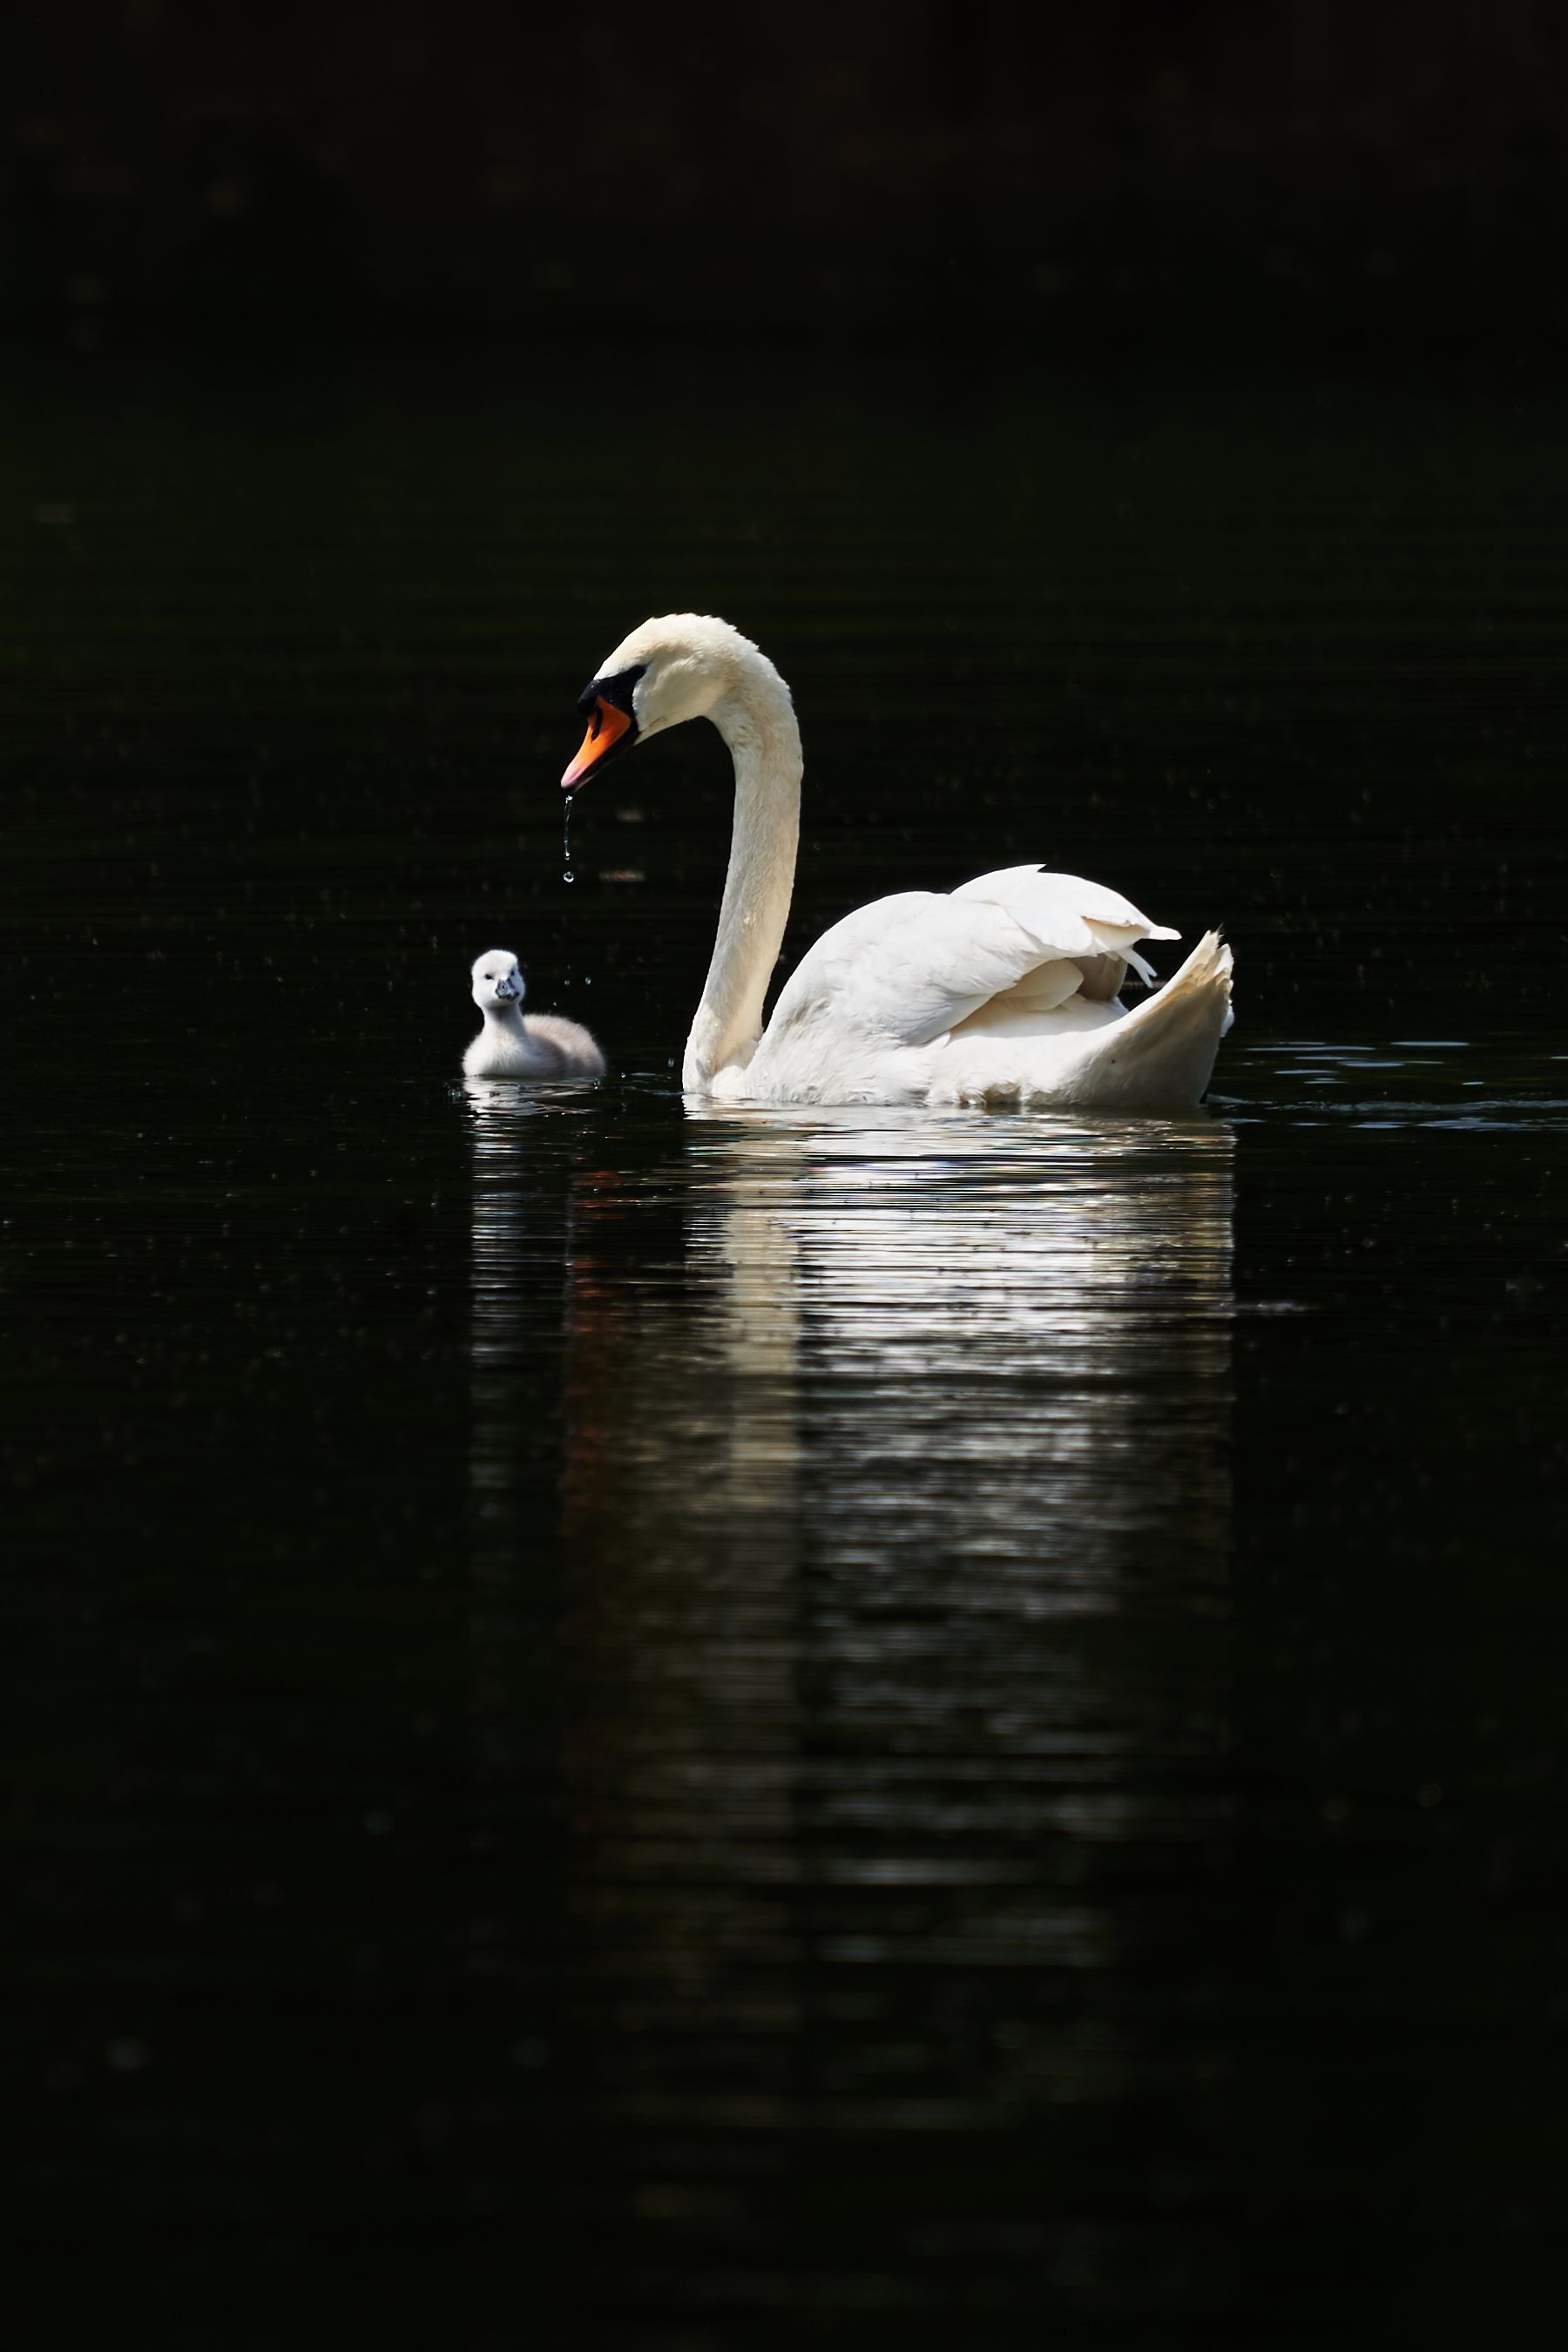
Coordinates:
(610, 729)
(508, 988)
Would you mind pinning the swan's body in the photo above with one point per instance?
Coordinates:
(1004, 991)
(544, 1046)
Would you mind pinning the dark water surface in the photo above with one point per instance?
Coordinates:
(679, 1732)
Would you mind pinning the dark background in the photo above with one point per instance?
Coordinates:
(1321, 170)
(1137, 432)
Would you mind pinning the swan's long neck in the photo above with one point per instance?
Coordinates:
(757, 720)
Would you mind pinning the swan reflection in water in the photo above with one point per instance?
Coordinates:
(893, 1568)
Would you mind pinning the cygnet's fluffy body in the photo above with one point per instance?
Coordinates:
(544, 1046)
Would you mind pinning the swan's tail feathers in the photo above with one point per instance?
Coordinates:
(1161, 1056)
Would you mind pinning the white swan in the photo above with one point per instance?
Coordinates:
(545, 1045)
(1004, 991)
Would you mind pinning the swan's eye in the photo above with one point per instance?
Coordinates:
(617, 691)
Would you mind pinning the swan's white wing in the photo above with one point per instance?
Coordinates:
(905, 970)
(1061, 908)
(1073, 917)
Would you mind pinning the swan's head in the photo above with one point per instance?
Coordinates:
(497, 980)
(665, 672)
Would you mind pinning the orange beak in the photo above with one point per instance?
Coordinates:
(605, 729)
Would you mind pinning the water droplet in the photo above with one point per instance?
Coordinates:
(566, 873)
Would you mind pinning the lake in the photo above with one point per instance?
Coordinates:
(676, 1730)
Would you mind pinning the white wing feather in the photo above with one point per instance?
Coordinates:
(1095, 925)
(1070, 915)
(905, 970)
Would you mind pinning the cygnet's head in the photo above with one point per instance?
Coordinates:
(665, 672)
(497, 980)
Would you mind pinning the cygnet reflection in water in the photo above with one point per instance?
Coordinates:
(886, 1637)
(541, 1046)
